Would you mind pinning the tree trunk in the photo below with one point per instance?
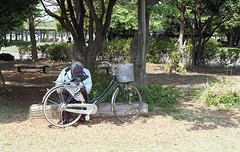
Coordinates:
(32, 37)
(77, 55)
(237, 40)
(194, 56)
(181, 45)
(3, 81)
(138, 47)
(86, 55)
(230, 38)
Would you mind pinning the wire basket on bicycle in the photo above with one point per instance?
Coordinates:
(124, 72)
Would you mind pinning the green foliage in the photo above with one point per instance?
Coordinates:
(165, 51)
(42, 48)
(13, 13)
(116, 48)
(228, 56)
(23, 49)
(3, 42)
(154, 54)
(158, 96)
(228, 99)
(124, 16)
(20, 43)
(160, 49)
(60, 52)
(175, 60)
(220, 94)
(100, 82)
(6, 57)
(163, 9)
(210, 51)
(163, 18)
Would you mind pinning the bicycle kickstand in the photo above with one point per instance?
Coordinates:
(87, 117)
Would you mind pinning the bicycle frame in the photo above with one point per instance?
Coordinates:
(106, 92)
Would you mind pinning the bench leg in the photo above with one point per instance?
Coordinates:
(18, 69)
(44, 69)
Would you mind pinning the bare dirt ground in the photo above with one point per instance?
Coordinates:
(194, 127)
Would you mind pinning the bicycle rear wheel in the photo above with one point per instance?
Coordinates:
(53, 107)
(127, 103)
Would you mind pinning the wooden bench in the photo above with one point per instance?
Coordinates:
(34, 66)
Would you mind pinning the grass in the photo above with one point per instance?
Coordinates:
(12, 48)
(11, 113)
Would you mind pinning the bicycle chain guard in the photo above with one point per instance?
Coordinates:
(81, 108)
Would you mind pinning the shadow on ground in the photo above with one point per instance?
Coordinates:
(204, 118)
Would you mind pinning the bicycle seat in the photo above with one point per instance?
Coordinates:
(80, 78)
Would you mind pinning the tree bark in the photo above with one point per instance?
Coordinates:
(181, 45)
(32, 37)
(138, 47)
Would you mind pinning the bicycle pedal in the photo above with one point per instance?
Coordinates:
(87, 117)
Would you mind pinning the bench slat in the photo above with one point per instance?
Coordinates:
(36, 66)
(31, 65)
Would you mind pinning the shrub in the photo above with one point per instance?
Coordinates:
(210, 51)
(4, 43)
(228, 99)
(160, 51)
(23, 49)
(6, 57)
(116, 49)
(223, 93)
(154, 54)
(20, 43)
(60, 52)
(234, 54)
(157, 96)
(228, 56)
(42, 48)
(100, 82)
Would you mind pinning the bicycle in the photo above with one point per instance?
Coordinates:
(68, 100)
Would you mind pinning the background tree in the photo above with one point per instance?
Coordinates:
(140, 43)
(231, 29)
(204, 18)
(33, 13)
(12, 13)
(72, 16)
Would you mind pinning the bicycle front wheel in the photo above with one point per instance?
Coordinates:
(53, 107)
(127, 103)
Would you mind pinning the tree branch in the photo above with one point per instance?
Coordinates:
(93, 14)
(72, 16)
(108, 16)
(103, 10)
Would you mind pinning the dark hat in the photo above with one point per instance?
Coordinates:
(78, 70)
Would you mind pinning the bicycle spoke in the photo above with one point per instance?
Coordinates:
(53, 111)
(127, 103)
